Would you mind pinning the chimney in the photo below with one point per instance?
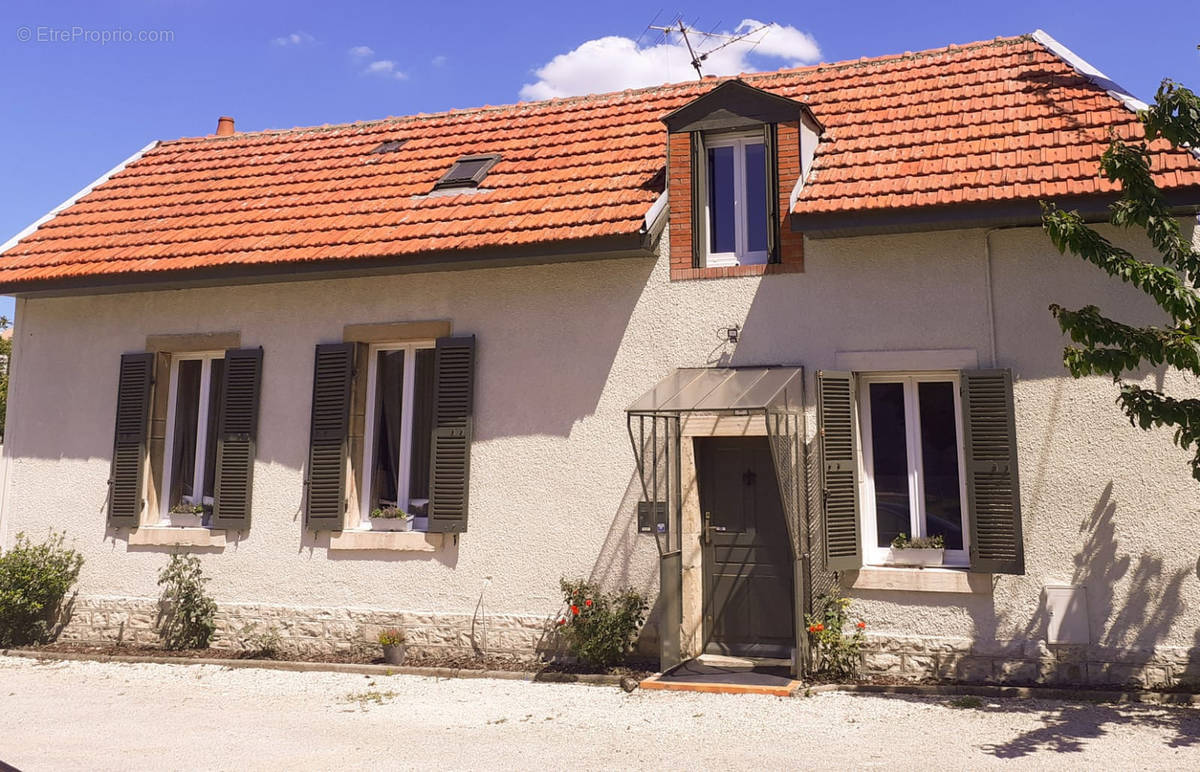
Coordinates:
(224, 126)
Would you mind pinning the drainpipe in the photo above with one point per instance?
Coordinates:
(5, 460)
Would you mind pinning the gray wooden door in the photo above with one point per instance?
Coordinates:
(748, 605)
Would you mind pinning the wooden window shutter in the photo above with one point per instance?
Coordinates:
(993, 492)
(237, 438)
(771, 151)
(699, 204)
(453, 419)
(839, 470)
(333, 375)
(129, 442)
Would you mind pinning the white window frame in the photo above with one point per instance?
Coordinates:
(741, 254)
(166, 517)
(872, 553)
(408, 391)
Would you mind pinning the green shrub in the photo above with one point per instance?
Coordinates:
(836, 654)
(34, 580)
(186, 613)
(902, 542)
(599, 627)
(393, 636)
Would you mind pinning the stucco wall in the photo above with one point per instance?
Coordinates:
(563, 349)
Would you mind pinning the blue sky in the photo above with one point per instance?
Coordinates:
(73, 108)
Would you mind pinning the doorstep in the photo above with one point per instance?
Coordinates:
(725, 675)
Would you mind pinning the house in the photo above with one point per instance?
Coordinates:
(720, 340)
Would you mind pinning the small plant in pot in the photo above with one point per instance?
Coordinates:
(921, 551)
(390, 519)
(392, 640)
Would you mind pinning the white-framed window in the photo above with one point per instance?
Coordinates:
(912, 462)
(399, 421)
(189, 463)
(735, 220)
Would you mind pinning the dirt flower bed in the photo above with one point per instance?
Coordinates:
(366, 655)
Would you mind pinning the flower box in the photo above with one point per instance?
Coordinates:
(907, 556)
(391, 523)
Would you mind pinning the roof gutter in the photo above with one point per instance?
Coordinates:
(655, 220)
(71, 201)
(984, 214)
(628, 245)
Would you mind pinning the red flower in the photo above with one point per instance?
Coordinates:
(820, 627)
(862, 625)
(562, 621)
(589, 602)
(574, 609)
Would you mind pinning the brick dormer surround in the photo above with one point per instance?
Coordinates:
(727, 104)
(679, 185)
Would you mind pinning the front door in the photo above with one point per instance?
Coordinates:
(748, 608)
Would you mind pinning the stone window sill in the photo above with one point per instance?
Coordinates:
(732, 271)
(394, 541)
(957, 580)
(175, 536)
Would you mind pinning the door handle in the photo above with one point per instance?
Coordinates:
(706, 537)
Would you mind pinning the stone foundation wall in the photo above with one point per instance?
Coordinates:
(1029, 662)
(317, 630)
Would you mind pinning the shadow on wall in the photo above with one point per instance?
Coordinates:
(626, 559)
(1126, 630)
(548, 338)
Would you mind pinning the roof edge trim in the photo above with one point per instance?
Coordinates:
(1081, 66)
(71, 201)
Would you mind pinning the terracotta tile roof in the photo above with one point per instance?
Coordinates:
(999, 120)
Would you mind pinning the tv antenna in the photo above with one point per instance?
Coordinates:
(698, 57)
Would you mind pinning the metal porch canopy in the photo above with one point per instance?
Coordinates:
(655, 431)
(724, 390)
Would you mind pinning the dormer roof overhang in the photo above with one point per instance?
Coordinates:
(736, 104)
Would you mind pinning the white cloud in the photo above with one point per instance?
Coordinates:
(613, 63)
(361, 52)
(294, 39)
(438, 61)
(385, 68)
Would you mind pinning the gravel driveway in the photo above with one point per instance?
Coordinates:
(57, 715)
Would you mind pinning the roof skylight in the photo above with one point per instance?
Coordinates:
(467, 172)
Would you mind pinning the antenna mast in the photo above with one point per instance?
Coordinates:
(699, 57)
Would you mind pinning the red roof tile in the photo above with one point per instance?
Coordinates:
(999, 120)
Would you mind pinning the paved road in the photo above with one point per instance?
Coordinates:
(60, 715)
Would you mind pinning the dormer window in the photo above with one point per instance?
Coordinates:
(737, 203)
(735, 156)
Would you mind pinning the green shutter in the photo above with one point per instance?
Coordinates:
(771, 152)
(839, 470)
(237, 434)
(129, 443)
(699, 172)
(453, 419)
(993, 491)
(325, 499)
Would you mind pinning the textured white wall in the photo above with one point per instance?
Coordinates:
(562, 351)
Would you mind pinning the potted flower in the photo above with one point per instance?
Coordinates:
(392, 640)
(390, 519)
(922, 551)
